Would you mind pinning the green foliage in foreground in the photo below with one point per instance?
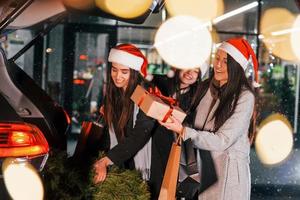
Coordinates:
(63, 179)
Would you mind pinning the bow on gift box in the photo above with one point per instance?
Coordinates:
(168, 100)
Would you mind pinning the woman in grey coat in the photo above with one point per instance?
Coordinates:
(222, 121)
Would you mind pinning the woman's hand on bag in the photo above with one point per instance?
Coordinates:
(175, 125)
(101, 169)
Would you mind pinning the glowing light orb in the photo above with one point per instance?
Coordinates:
(22, 180)
(124, 8)
(203, 9)
(273, 21)
(295, 37)
(274, 141)
(184, 42)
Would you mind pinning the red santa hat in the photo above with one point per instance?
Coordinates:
(129, 56)
(241, 51)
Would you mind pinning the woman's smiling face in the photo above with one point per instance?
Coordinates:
(120, 75)
(220, 67)
(189, 77)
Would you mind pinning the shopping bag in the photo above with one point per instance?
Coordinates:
(89, 140)
(192, 180)
(168, 187)
(189, 176)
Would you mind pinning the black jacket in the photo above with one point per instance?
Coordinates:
(122, 154)
(145, 127)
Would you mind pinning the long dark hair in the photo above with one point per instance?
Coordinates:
(230, 92)
(118, 107)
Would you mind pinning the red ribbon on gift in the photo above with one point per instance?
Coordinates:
(168, 114)
(169, 100)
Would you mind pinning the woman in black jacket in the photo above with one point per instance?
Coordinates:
(130, 130)
(185, 87)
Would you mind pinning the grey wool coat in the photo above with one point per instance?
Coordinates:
(229, 147)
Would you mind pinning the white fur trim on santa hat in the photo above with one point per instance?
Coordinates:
(235, 53)
(125, 58)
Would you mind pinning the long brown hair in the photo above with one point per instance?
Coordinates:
(118, 107)
(230, 93)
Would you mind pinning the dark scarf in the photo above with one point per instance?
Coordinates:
(215, 88)
(216, 92)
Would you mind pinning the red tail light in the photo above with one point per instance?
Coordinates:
(21, 139)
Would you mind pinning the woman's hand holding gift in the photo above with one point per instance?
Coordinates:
(175, 125)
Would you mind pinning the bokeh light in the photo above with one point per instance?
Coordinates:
(203, 9)
(124, 8)
(274, 140)
(295, 37)
(273, 21)
(183, 42)
(22, 180)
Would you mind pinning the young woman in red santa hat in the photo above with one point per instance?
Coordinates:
(223, 118)
(130, 140)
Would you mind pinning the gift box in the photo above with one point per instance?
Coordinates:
(157, 106)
